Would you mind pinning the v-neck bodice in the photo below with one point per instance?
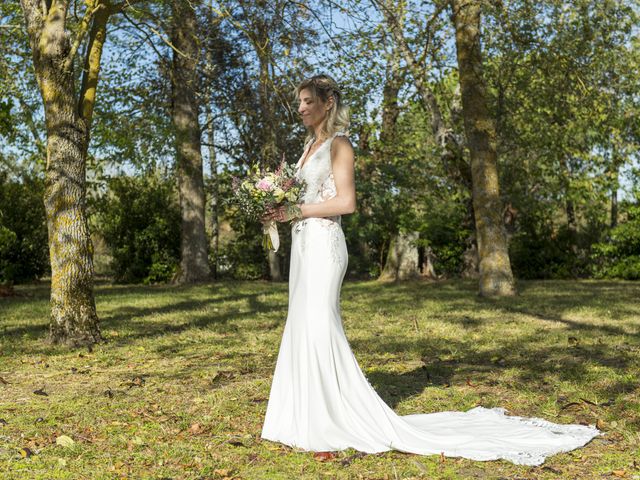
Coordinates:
(317, 172)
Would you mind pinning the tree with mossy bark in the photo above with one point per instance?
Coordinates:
(496, 278)
(64, 49)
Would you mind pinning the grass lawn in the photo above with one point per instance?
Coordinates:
(180, 388)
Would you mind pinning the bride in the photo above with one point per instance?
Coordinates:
(320, 400)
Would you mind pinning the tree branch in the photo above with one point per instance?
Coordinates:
(444, 135)
(92, 8)
(97, 37)
(32, 14)
(146, 35)
(158, 34)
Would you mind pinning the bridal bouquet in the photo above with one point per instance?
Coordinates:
(262, 191)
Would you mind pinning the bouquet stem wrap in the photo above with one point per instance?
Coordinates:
(271, 238)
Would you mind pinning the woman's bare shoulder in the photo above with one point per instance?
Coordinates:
(341, 143)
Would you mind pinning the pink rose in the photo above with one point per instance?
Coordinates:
(265, 185)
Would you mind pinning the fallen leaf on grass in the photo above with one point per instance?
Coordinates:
(26, 452)
(469, 383)
(619, 473)
(65, 441)
(324, 456)
(82, 372)
(134, 442)
(218, 376)
(120, 468)
(195, 429)
(137, 381)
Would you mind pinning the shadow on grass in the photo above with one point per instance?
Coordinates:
(527, 360)
(179, 313)
(530, 356)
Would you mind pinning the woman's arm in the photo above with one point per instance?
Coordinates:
(342, 164)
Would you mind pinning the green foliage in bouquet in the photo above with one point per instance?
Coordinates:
(262, 190)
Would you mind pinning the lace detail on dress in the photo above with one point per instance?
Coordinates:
(580, 433)
(327, 188)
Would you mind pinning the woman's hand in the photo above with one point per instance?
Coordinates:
(283, 213)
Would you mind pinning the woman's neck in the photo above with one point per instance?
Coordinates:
(318, 131)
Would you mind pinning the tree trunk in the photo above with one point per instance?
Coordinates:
(569, 207)
(194, 263)
(428, 262)
(614, 207)
(269, 147)
(275, 273)
(213, 196)
(470, 260)
(74, 320)
(390, 108)
(616, 161)
(496, 278)
(572, 225)
(402, 259)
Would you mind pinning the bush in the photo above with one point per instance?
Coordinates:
(244, 257)
(619, 255)
(540, 250)
(24, 251)
(139, 219)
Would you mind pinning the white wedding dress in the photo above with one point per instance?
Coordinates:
(321, 401)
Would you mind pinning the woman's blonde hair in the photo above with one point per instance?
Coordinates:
(323, 86)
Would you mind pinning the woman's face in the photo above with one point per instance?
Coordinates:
(311, 111)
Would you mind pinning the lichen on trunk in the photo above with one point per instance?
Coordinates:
(496, 278)
(73, 319)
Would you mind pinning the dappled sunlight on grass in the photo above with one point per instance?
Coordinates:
(180, 387)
